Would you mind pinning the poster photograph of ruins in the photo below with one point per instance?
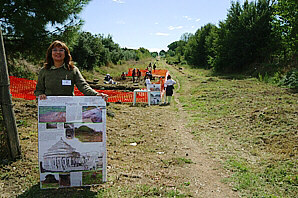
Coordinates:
(52, 113)
(91, 114)
(62, 157)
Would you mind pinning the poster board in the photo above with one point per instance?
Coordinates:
(155, 93)
(72, 141)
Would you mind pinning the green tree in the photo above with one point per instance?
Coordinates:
(199, 48)
(129, 54)
(142, 53)
(162, 53)
(89, 51)
(154, 54)
(246, 36)
(286, 24)
(24, 22)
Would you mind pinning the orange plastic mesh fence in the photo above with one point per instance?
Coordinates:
(24, 88)
(156, 72)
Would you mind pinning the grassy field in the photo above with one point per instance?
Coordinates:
(250, 126)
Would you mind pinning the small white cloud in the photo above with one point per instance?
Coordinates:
(161, 34)
(156, 23)
(118, 1)
(197, 20)
(174, 28)
(120, 22)
(187, 18)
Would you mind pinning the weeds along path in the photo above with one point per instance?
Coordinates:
(205, 173)
(243, 124)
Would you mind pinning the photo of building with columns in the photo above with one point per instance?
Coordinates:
(62, 157)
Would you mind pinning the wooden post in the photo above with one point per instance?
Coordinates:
(6, 103)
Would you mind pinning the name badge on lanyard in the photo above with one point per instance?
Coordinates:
(66, 82)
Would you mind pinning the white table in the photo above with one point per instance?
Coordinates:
(140, 90)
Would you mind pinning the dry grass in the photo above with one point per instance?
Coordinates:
(248, 126)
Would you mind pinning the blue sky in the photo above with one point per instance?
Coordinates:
(152, 24)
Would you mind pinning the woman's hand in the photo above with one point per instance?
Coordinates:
(104, 96)
(42, 97)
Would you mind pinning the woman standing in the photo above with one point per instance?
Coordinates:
(169, 86)
(59, 75)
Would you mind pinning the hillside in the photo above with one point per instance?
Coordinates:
(220, 137)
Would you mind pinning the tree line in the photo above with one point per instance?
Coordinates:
(257, 37)
(30, 26)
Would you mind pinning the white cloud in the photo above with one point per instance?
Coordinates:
(121, 22)
(118, 1)
(173, 28)
(187, 18)
(156, 23)
(161, 34)
(197, 20)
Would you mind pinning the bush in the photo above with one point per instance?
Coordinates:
(290, 80)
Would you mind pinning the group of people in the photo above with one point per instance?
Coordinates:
(136, 75)
(149, 68)
(59, 75)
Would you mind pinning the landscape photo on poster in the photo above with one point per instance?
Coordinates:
(91, 177)
(154, 87)
(84, 132)
(52, 113)
(91, 114)
(155, 97)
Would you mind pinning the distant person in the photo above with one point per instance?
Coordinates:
(123, 76)
(133, 75)
(154, 67)
(147, 81)
(59, 75)
(107, 78)
(150, 67)
(139, 74)
(148, 73)
(169, 87)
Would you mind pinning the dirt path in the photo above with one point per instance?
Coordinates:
(166, 153)
(205, 173)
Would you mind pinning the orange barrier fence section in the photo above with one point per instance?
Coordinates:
(24, 88)
(157, 72)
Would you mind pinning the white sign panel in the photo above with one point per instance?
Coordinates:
(155, 94)
(72, 141)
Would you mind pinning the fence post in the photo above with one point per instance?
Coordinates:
(6, 103)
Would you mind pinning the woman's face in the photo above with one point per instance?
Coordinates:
(58, 54)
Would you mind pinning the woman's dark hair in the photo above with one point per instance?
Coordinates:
(67, 60)
(169, 77)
